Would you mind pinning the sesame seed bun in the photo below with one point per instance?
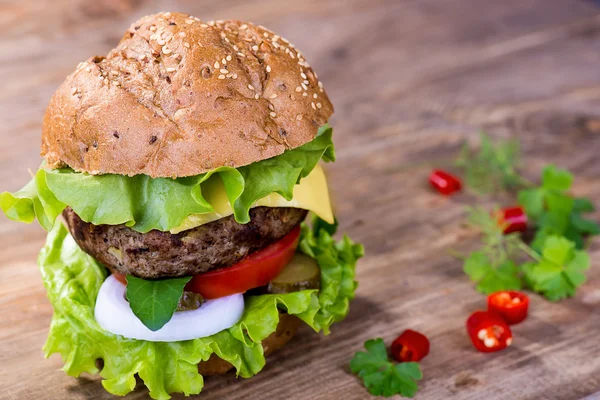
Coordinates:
(179, 97)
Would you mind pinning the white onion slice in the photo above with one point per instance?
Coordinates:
(114, 315)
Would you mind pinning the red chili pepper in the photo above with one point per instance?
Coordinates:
(512, 306)
(444, 182)
(488, 331)
(410, 346)
(513, 219)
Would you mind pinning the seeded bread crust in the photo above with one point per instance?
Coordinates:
(179, 97)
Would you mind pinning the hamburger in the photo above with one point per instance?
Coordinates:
(177, 177)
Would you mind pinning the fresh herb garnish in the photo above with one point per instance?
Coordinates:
(154, 302)
(493, 167)
(557, 217)
(382, 377)
(555, 212)
(559, 270)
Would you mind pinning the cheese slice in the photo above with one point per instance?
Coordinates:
(310, 194)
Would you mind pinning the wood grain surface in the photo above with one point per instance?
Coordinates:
(410, 80)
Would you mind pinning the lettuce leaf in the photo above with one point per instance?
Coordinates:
(73, 279)
(144, 203)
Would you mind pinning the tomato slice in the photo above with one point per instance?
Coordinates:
(254, 270)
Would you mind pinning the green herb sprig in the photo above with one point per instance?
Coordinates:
(554, 264)
(383, 377)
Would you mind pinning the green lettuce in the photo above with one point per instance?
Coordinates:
(144, 203)
(73, 279)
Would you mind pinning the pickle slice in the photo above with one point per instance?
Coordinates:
(301, 273)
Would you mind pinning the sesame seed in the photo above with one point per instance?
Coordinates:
(234, 75)
(250, 87)
(306, 82)
(303, 75)
(182, 34)
(223, 35)
(211, 23)
(153, 28)
(223, 71)
(272, 114)
(161, 42)
(235, 48)
(224, 61)
(312, 104)
(318, 105)
(265, 34)
(320, 84)
(204, 25)
(299, 117)
(273, 96)
(304, 94)
(186, 44)
(189, 21)
(255, 48)
(256, 96)
(315, 96)
(74, 90)
(171, 69)
(304, 86)
(217, 65)
(226, 39)
(241, 54)
(229, 75)
(166, 50)
(228, 58)
(89, 69)
(298, 89)
(268, 68)
(271, 107)
(221, 77)
(243, 27)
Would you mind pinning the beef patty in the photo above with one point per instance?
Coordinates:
(159, 254)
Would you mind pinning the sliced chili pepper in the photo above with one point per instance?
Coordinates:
(410, 346)
(513, 219)
(511, 306)
(488, 331)
(444, 182)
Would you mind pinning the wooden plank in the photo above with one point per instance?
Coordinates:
(410, 81)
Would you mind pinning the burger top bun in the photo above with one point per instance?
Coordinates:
(179, 97)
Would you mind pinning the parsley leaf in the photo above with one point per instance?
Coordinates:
(551, 194)
(493, 167)
(154, 302)
(555, 212)
(382, 377)
(559, 271)
(492, 278)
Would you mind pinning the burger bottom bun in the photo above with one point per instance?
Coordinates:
(286, 329)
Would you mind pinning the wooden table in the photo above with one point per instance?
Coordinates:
(410, 80)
